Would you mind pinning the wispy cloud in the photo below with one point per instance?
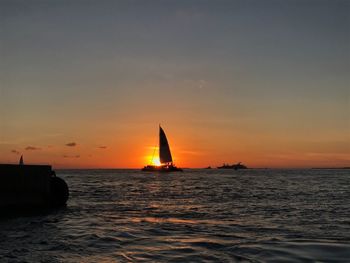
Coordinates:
(102, 147)
(15, 152)
(32, 148)
(71, 156)
(71, 144)
(201, 83)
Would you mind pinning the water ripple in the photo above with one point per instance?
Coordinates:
(195, 216)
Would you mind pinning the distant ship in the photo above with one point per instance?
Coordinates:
(166, 161)
(233, 166)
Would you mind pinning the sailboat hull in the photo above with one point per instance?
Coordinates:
(153, 168)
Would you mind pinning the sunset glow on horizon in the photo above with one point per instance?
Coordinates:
(86, 85)
(153, 158)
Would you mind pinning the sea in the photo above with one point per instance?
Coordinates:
(199, 215)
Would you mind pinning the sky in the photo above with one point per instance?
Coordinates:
(85, 84)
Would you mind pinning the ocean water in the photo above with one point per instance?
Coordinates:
(194, 216)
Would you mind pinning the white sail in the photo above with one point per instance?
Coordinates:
(164, 149)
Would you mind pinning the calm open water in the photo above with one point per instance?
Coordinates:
(194, 216)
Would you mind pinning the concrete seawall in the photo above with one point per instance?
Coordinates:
(27, 186)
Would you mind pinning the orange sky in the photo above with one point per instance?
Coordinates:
(133, 146)
(228, 82)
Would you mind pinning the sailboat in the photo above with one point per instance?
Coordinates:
(166, 161)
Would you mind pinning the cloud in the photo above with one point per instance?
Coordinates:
(71, 144)
(201, 83)
(102, 147)
(71, 156)
(32, 148)
(15, 152)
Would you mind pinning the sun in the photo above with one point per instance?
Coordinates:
(155, 161)
(152, 156)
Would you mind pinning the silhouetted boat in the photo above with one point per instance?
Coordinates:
(233, 166)
(166, 161)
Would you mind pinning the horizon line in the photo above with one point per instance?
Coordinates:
(204, 168)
